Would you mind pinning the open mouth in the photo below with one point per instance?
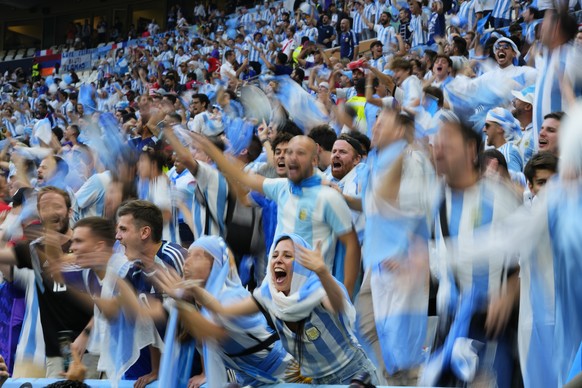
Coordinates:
(280, 275)
(281, 164)
(501, 55)
(336, 165)
(542, 143)
(439, 69)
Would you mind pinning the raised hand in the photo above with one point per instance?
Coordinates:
(311, 259)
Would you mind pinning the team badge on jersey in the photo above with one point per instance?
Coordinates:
(312, 333)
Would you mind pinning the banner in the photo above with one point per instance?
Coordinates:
(76, 60)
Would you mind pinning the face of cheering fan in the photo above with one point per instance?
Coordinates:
(300, 158)
(548, 140)
(198, 264)
(504, 54)
(343, 159)
(280, 167)
(282, 265)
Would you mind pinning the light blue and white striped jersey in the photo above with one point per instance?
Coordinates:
(10, 127)
(254, 54)
(239, 51)
(512, 157)
(312, 33)
(370, 11)
(328, 343)
(185, 184)
(527, 144)
(358, 23)
(484, 203)
(399, 311)
(247, 20)
(91, 196)
(386, 35)
(468, 11)
(210, 202)
(159, 192)
(551, 67)
(352, 185)
(419, 35)
(66, 109)
(502, 9)
(319, 214)
(31, 346)
(378, 63)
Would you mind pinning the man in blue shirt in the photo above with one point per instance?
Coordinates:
(348, 41)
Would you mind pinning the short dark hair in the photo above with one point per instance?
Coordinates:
(436, 93)
(544, 160)
(289, 126)
(75, 129)
(56, 190)
(363, 139)
(449, 60)
(282, 137)
(282, 58)
(401, 63)
(493, 154)
(203, 99)
(155, 156)
(102, 228)
(555, 115)
(144, 213)
(324, 136)
(254, 149)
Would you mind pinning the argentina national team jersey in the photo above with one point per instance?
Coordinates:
(387, 36)
(502, 9)
(551, 66)
(318, 214)
(416, 26)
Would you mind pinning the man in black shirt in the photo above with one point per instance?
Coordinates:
(326, 35)
(59, 309)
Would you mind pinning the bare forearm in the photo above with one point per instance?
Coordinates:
(196, 325)
(333, 290)
(352, 264)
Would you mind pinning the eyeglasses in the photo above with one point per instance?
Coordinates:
(503, 46)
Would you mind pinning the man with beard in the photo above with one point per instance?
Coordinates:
(523, 112)
(347, 173)
(304, 206)
(60, 311)
(386, 34)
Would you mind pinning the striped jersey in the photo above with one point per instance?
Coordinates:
(551, 66)
(419, 35)
(502, 9)
(328, 343)
(210, 202)
(468, 11)
(358, 23)
(386, 35)
(318, 214)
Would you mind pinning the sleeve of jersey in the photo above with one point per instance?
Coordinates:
(337, 213)
(89, 192)
(272, 187)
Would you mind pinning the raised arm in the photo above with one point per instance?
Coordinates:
(182, 152)
(352, 260)
(313, 260)
(252, 181)
(246, 306)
